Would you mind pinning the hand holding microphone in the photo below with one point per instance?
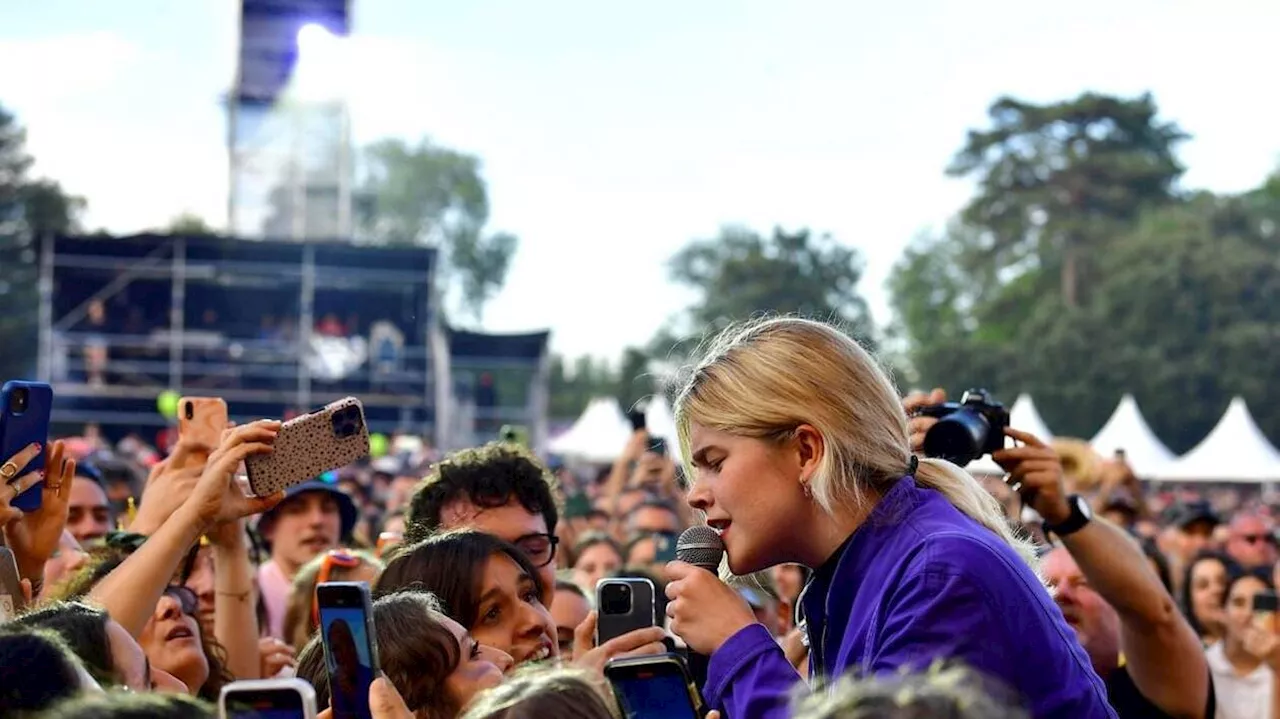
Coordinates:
(704, 611)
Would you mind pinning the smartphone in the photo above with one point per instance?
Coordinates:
(350, 646)
(267, 699)
(658, 445)
(636, 417)
(24, 418)
(11, 602)
(654, 687)
(664, 547)
(625, 605)
(202, 419)
(310, 445)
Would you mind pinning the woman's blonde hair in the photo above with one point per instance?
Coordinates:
(942, 691)
(764, 378)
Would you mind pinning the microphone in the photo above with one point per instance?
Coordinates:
(702, 547)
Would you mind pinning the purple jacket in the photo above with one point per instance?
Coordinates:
(918, 581)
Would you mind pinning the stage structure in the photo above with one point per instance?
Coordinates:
(275, 328)
(288, 123)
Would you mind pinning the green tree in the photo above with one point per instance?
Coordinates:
(574, 383)
(189, 223)
(432, 195)
(741, 274)
(28, 207)
(1057, 181)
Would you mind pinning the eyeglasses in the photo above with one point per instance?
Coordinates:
(334, 558)
(540, 548)
(1256, 538)
(187, 600)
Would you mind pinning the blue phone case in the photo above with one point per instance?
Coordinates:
(17, 430)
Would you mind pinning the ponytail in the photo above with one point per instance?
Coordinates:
(965, 494)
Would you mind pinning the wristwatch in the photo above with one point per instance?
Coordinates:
(1081, 514)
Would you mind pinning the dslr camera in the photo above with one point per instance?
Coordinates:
(967, 429)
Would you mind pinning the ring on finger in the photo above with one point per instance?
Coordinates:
(8, 471)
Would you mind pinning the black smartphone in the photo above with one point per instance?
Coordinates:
(658, 445)
(267, 699)
(664, 547)
(1265, 602)
(654, 687)
(625, 605)
(350, 646)
(636, 417)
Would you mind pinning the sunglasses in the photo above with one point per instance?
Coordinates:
(1256, 538)
(334, 558)
(187, 600)
(539, 548)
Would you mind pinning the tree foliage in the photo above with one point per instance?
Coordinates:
(28, 207)
(1180, 304)
(189, 223)
(741, 274)
(431, 195)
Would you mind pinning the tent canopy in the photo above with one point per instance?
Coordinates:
(1129, 431)
(598, 435)
(1235, 451)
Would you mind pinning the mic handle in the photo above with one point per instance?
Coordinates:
(696, 662)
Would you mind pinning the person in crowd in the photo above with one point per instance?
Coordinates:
(1204, 591)
(500, 489)
(314, 518)
(596, 556)
(1137, 639)
(653, 517)
(1193, 524)
(800, 453)
(431, 660)
(492, 588)
(1246, 661)
(570, 610)
(90, 517)
(942, 690)
(1251, 541)
(37, 669)
(541, 692)
(66, 560)
(110, 654)
(336, 565)
(172, 638)
(124, 705)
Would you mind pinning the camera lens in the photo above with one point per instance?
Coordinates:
(19, 400)
(958, 438)
(615, 599)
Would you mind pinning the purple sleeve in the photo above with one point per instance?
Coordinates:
(749, 676)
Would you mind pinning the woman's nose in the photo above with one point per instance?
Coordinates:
(699, 496)
(168, 608)
(499, 658)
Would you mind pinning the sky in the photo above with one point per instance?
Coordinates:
(611, 136)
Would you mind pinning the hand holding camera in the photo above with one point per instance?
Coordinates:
(1035, 472)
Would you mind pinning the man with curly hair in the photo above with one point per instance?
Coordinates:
(499, 489)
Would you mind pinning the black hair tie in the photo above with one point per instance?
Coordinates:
(913, 465)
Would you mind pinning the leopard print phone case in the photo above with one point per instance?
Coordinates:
(309, 446)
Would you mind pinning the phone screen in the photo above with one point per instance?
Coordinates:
(656, 695)
(347, 654)
(245, 710)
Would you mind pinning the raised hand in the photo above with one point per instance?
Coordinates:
(168, 485)
(34, 536)
(919, 426)
(1035, 472)
(218, 496)
(705, 612)
(632, 644)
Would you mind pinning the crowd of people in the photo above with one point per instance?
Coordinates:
(861, 578)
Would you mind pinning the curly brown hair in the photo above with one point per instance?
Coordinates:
(104, 560)
(488, 476)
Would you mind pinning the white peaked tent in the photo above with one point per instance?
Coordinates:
(1024, 416)
(661, 422)
(1127, 430)
(1235, 451)
(598, 435)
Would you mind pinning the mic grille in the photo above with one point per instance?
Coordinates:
(700, 546)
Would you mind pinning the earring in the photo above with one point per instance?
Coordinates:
(808, 491)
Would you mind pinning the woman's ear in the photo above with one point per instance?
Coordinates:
(810, 449)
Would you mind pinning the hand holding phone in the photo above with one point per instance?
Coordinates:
(623, 605)
(309, 446)
(656, 687)
(25, 409)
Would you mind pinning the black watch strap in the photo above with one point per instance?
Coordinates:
(1074, 522)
